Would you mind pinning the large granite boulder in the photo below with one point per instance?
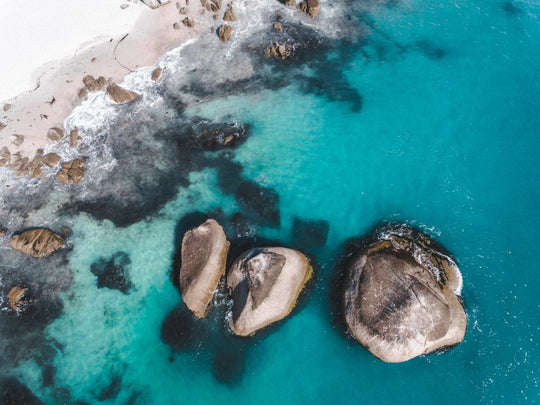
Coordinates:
(37, 242)
(402, 296)
(265, 284)
(204, 257)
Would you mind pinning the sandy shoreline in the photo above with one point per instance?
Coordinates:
(155, 31)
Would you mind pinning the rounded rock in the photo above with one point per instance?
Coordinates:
(402, 296)
(265, 284)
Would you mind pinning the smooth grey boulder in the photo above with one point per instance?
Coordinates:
(204, 258)
(265, 284)
(402, 296)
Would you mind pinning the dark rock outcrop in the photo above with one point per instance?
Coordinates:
(262, 201)
(204, 257)
(16, 393)
(120, 95)
(401, 296)
(37, 242)
(206, 135)
(224, 32)
(265, 284)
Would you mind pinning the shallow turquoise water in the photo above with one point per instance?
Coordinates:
(447, 140)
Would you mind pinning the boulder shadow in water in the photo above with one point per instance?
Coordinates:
(308, 233)
(182, 331)
(337, 285)
(229, 360)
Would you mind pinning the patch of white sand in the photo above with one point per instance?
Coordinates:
(35, 32)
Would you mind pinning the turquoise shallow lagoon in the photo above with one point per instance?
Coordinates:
(446, 139)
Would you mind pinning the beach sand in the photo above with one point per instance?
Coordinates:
(140, 38)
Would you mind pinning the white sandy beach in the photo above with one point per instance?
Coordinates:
(48, 50)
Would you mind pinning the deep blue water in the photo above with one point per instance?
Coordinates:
(446, 139)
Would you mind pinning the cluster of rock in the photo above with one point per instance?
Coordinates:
(264, 283)
(278, 50)
(72, 171)
(402, 296)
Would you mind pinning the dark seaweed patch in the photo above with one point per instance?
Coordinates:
(113, 273)
(430, 50)
(16, 393)
(111, 391)
(260, 200)
(510, 8)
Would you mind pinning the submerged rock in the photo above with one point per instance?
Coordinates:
(402, 296)
(262, 201)
(38, 242)
(204, 257)
(265, 284)
(213, 136)
(310, 233)
(120, 95)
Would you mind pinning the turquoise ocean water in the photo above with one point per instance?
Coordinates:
(447, 139)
